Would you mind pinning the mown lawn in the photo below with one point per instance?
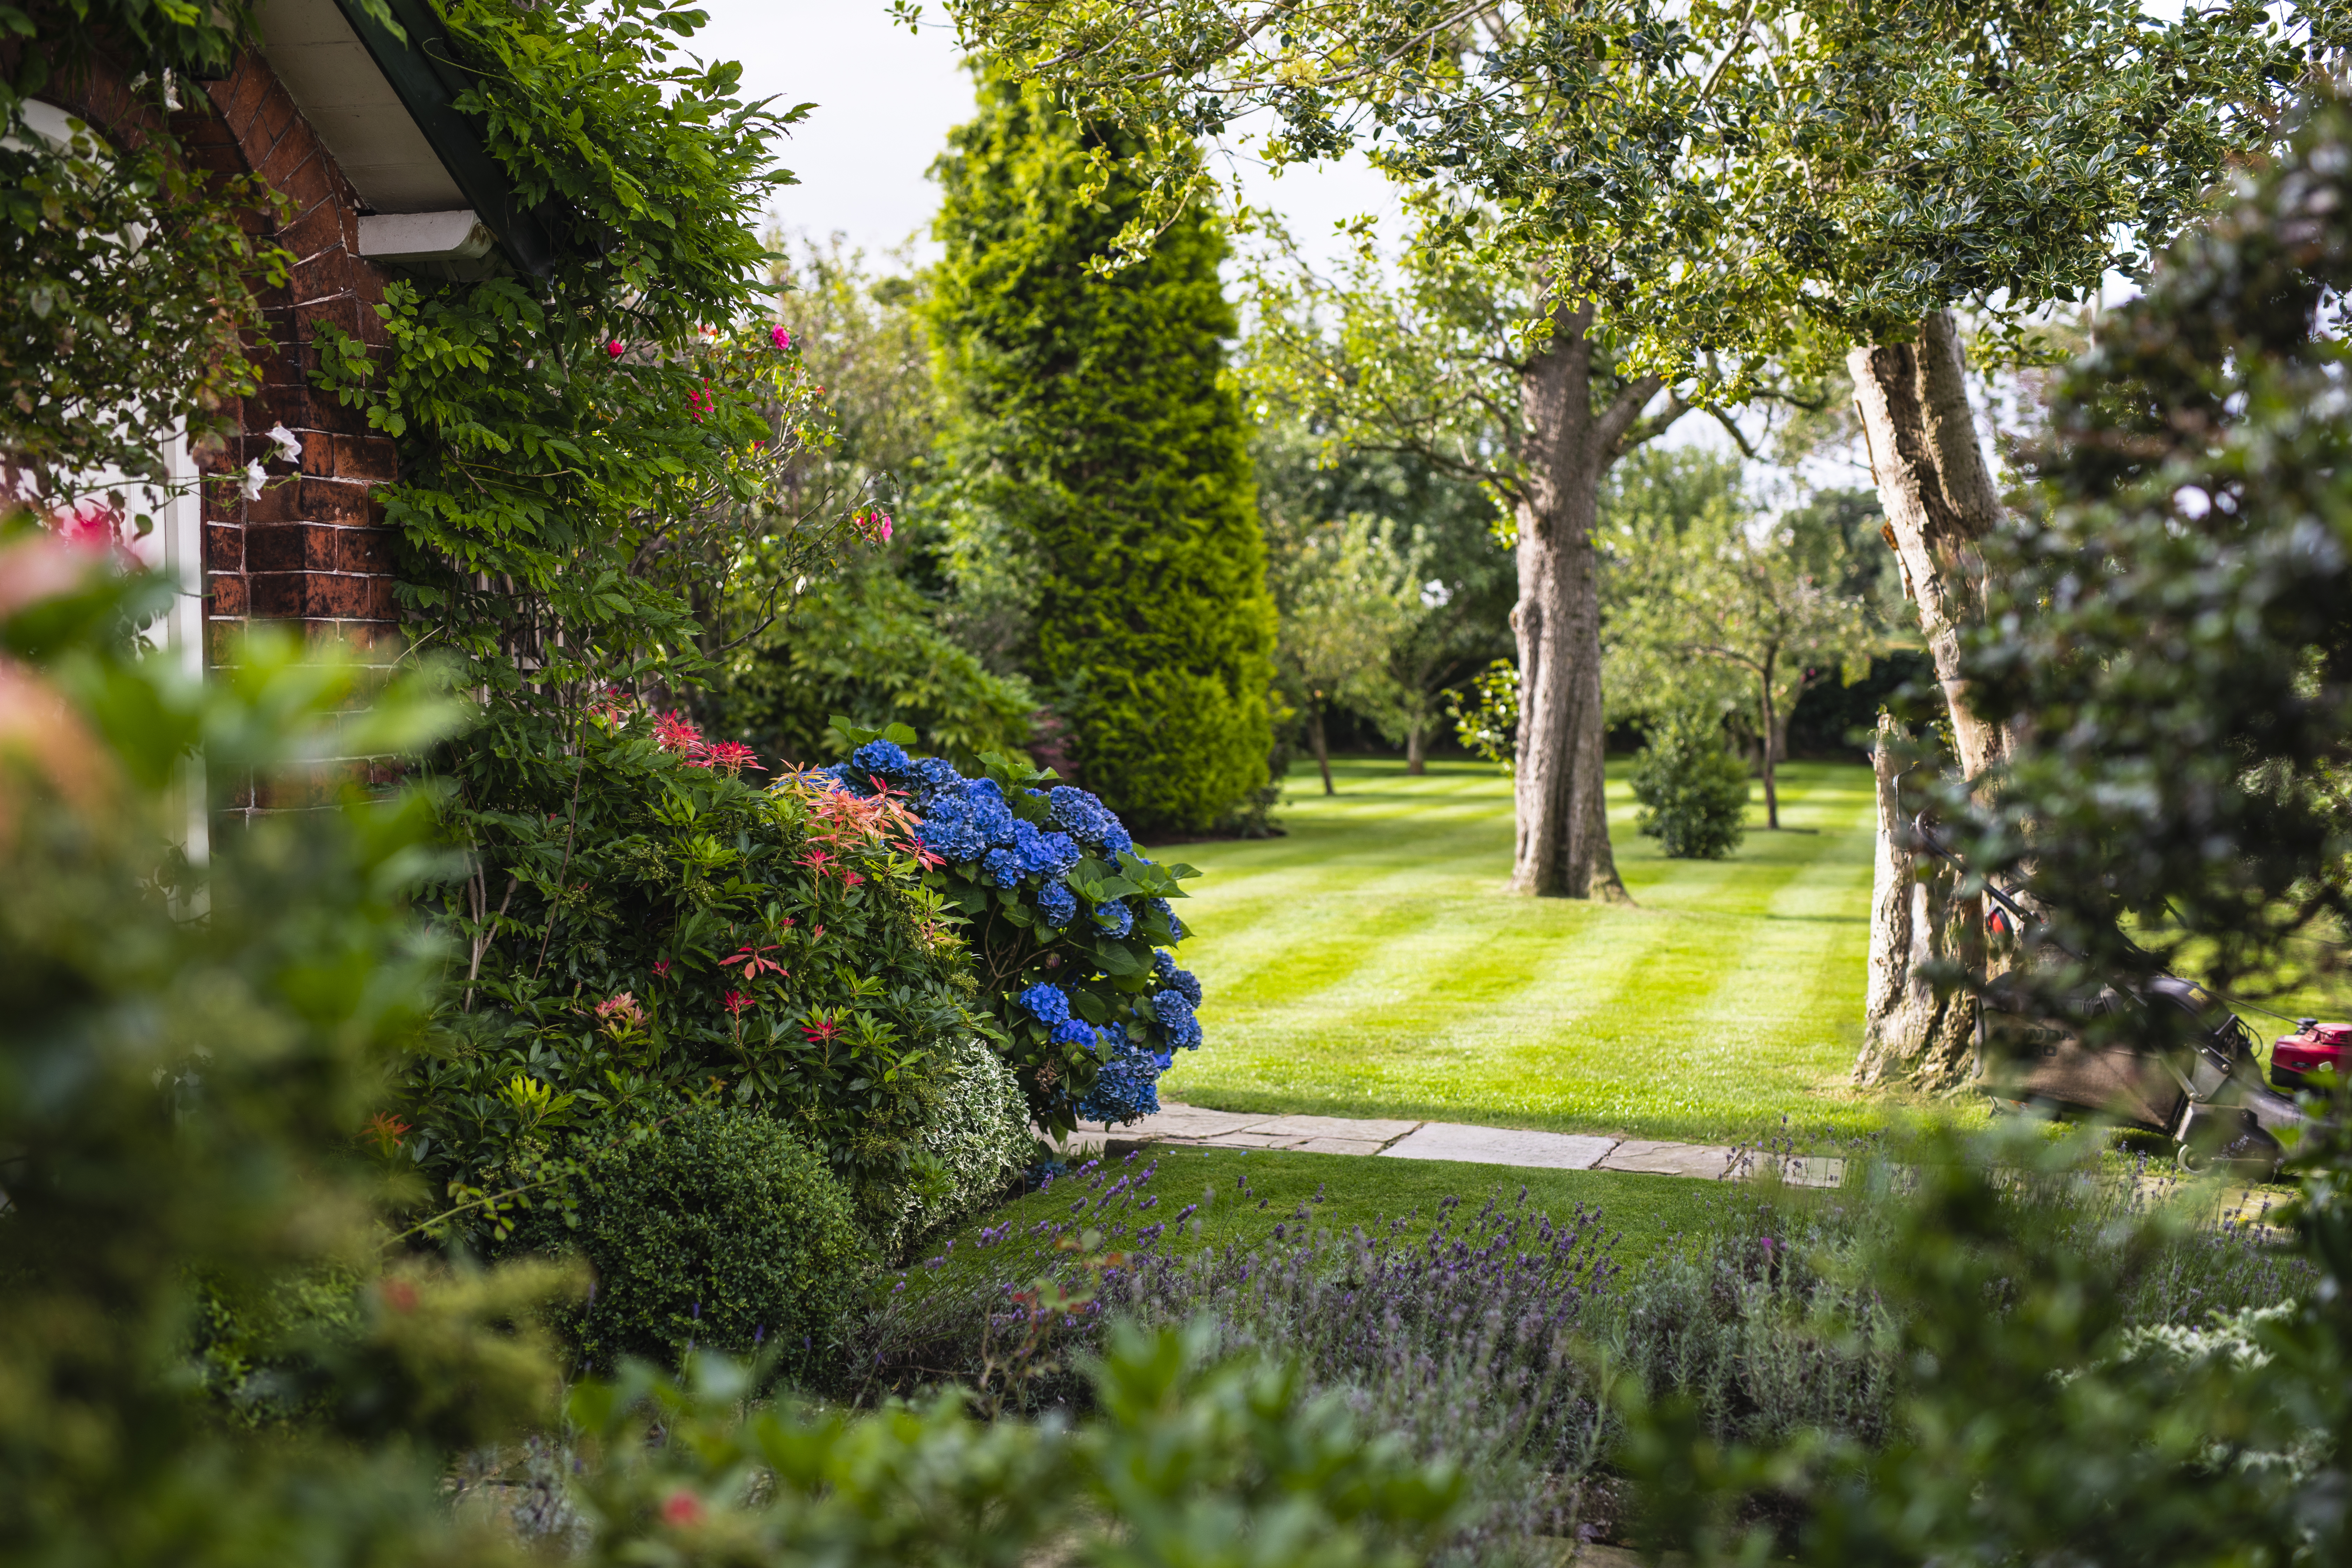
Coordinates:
(1370, 962)
(1243, 1195)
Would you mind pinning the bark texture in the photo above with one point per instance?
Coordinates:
(1566, 446)
(1911, 1034)
(1940, 501)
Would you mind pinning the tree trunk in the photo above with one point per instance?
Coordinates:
(1563, 816)
(1414, 764)
(1315, 739)
(1911, 1034)
(1940, 501)
(1764, 704)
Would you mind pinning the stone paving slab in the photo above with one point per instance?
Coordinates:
(1177, 1125)
(1337, 1146)
(1376, 1132)
(1187, 1122)
(1500, 1146)
(1645, 1157)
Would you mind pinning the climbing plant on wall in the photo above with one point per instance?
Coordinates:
(129, 281)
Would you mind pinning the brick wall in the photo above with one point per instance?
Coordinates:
(312, 548)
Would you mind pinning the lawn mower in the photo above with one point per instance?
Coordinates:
(2194, 1077)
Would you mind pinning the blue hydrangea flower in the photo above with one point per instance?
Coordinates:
(1161, 907)
(953, 831)
(1127, 1088)
(1049, 1004)
(1177, 1024)
(962, 825)
(1088, 821)
(1003, 867)
(1077, 1032)
(1179, 981)
(1043, 854)
(887, 757)
(930, 778)
(1114, 919)
(1057, 904)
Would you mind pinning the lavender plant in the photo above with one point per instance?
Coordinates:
(1508, 1340)
(1069, 925)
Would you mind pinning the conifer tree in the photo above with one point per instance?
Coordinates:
(1098, 419)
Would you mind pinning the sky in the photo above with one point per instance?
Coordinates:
(886, 100)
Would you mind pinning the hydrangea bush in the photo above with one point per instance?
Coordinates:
(658, 925)
(1069, 924)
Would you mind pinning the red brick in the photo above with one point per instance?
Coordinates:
(333, 596)
(239, 98)
(225, 598)
(276, 501)
(383, 597)
(277, 323)
(329, 412)
(342, 311)
(277, 596)
(365, 641)
(222, 635)
(334, 500)
(310, 184)
(367, 458)
(224, 502)
(223, 547)
(287, 405)
(326, 274)
(366, 549)
(279, 547)
(204, 133)
(266, 139)
(318, 230)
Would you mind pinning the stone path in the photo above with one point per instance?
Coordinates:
(1187, 1126)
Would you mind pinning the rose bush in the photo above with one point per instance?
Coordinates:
(1067, 924)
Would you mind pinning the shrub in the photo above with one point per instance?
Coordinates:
(1694, 792)
(976, 1145)
(714, 1227)
(649, 924)
(1460, 1338)
(1191, 1460)
(1065, 922)
(867, 645)
(181, 1102)
(1104, 424)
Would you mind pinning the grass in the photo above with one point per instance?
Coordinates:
(1370, 964)
(1244, 1194)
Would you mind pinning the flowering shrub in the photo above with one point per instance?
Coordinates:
(979, 1142)
(656, 925)
(1067, 925)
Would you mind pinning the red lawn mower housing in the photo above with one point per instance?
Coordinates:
(2313, 1047)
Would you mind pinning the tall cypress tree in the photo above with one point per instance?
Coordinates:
(1099, 419)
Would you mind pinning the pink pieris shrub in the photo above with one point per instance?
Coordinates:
(654, 923)
(1068, 926)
